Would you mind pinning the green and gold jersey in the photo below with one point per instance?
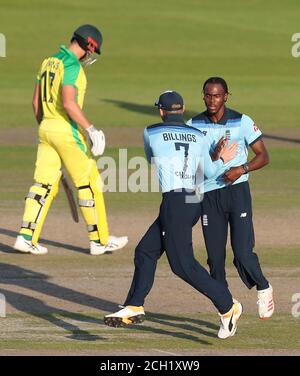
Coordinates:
(60, 69)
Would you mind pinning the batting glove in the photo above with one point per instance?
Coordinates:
(97, 139)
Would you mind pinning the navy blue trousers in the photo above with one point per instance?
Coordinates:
(231, 205)
(172, 232)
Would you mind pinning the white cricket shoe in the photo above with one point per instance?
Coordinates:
(126, 316)
(229, 321)
(265, 303)
(114, 243)
(25, 246)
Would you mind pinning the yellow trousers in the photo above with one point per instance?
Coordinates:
(61, 143)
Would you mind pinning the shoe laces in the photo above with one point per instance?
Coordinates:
(111, 244)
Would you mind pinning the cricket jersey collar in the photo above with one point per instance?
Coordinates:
(65, 50)
(222, 121)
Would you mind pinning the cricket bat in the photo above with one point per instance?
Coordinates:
(70, 197)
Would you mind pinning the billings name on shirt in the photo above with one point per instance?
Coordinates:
(182, 175)
(188, 137)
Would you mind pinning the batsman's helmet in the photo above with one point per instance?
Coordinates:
(89, 38)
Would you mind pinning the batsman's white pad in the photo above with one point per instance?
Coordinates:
(45, 200)
(91, 198)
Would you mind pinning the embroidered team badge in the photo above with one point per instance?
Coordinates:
(255, 127)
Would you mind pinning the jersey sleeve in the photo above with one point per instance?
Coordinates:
(147, 147)
(209, 167)
(251, 132)
(71, 72)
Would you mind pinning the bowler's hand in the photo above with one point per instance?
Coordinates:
(228, 152)
(218, 149)
(233, 174)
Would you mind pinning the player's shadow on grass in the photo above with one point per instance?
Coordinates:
(39, 283)
(152, 111)
(280, 138)
(14, 234)
(177, 333)
(202, 326)
(34, 306)
(143, 109)
(184, 328)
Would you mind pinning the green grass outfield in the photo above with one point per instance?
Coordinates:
(277, 183)
(149, 46)
(171, 333)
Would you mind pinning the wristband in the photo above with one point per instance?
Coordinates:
(91, 128)
(246, 168)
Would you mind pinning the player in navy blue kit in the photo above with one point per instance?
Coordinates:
(227, 198)
(179, 153)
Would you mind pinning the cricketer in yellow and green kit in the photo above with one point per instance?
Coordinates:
(62, 142)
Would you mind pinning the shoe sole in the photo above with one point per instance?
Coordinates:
(109, 251)
(266, 317)
(97, 254)
(38, 254)
(22, 250)
(30, 252)
(118, 322)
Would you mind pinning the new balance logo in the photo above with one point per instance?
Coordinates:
(205, 220)
(243, 215)
(230, 325)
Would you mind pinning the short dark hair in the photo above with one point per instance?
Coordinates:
(176, 112)
(216, 80)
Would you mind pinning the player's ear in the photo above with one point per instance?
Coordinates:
(225, 97)
(161, 112)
